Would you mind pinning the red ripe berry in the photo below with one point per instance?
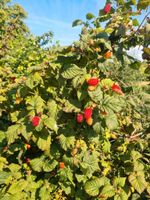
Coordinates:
(28, 160)
(79, 118)
(35, 121)
(62, 165)
(93, 81)
(107, 8)
(88, 113)
(116, 88)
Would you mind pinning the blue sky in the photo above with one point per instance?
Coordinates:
(57, 16)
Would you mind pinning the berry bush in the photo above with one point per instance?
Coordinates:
(75, 124)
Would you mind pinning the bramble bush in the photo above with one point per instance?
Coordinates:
(76, 124)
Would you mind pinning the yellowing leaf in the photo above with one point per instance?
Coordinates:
(137, 180)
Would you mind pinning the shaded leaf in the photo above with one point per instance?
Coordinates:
(77, 22)
(72, 71)
(89, 16)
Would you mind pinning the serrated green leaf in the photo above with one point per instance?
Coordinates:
(4, 176)
(92, 186)
(107, 191)
(72, 71)
(35, 103)
(135, 155)
(37, 164)
(49, 165)
(2, 136)
(112, 104)
(66, 141)
(119, 181)
(13, 133)
(51, 124)
(80, 178)
(138, 165)
(89, 164)
(17, 186)
(96, 95)
(97, 127)
(111, 121)
(44, 142)
(78, 81)
(121, 196)
(106, 146)
(137, 180)
(72, 105)
(52, 109)
(3, 162)
(45, 192)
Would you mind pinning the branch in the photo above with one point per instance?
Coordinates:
(137, 28)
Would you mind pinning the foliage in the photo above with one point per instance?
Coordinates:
(59, 158)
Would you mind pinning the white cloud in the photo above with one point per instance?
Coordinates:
(136, 52)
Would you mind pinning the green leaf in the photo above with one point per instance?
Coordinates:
(107, 43)
(66, 174)
(107, 191)
(78, 81)
(135, 155)
(143, 4)
(2, 98)
(35, 103)
(12, 133)
(77, 23)
(45, 192)
(89, 16)
(111, 121)
(66, 142)
(4, 176)
(110, 104)
(14, 167)
(119, 181)
(97, 127)
(51, 124)
(92, 186)
(106, 146)
(49, 165)
(3, 162)
(138, 165)
(121, 196)
(52, 109)
(37, 164)
(17, 186)
(44, 142)
(2, 136)
(72, 71)
(89, 164)
(135, 22)
(133, 2)
(72, 105)
(80, 178)
(96, 95)
(137, 180)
